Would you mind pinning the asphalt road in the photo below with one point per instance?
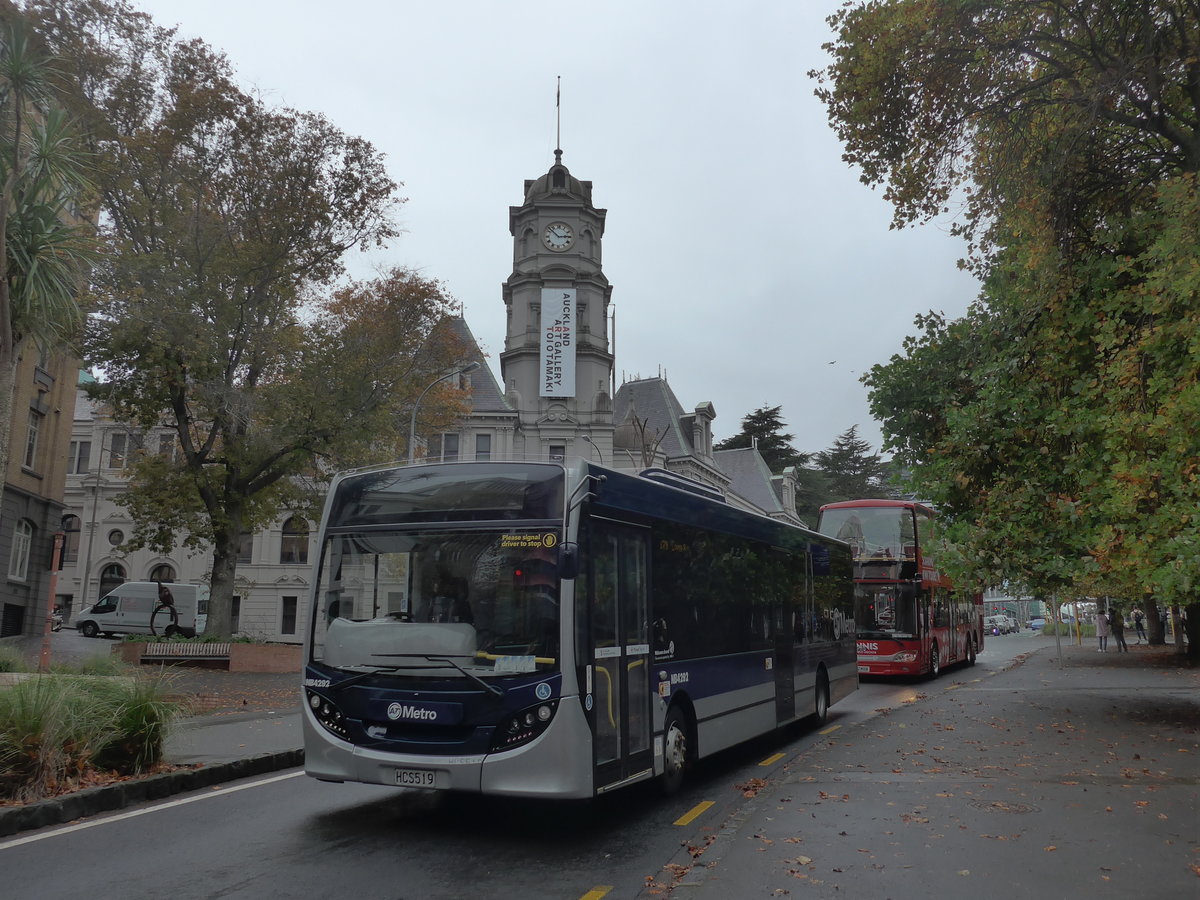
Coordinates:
(289, 836)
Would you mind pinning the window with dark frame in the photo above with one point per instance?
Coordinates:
(288, 622)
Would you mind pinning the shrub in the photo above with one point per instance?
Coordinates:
(55, 728)
(140, 716)
(12, 661)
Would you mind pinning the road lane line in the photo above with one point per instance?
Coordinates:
(830, 730)
(170, 804)
(771, 760)
(597, 892)
(696, 811)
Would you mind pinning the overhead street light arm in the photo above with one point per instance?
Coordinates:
(412, 425)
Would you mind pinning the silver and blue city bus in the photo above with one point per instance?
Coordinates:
(560, 630)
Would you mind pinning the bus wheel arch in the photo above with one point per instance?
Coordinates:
(679, 745)
(821, 696)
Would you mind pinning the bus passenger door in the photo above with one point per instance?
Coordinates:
(620, 639)
(785, 675)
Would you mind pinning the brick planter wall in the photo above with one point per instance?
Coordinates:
(129, 651)
(265, 657)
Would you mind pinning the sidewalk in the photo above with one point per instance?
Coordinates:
(1040, 780)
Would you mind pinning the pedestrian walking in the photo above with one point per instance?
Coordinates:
(1102, 631)
(1139, 623)
(1116, 624)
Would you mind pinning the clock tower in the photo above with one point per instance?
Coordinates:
(557, 364)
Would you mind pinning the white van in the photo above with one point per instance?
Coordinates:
(131, 609)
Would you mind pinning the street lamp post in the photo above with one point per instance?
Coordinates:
(584, 437)
(412, 425)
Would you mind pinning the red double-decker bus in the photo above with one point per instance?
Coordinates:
(909, 618)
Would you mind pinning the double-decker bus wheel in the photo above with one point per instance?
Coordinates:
(935, 661)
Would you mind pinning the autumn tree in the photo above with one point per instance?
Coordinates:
(763, 429)
(1051, 423)
(217, 314)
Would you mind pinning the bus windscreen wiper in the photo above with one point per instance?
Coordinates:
(490, 688)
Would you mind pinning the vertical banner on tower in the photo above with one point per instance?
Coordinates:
(558, 343)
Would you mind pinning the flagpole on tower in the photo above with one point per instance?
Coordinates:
(558, 115)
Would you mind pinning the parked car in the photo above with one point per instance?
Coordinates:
(1037, 623)
(1013, 626)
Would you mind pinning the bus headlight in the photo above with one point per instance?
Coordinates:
(904, 657)
(327, 713)
(522, 727)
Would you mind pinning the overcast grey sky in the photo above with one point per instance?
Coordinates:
(748, 263)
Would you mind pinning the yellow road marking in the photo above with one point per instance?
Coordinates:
(697, 810)
(771, 760)
(597, 892)
(830, 729)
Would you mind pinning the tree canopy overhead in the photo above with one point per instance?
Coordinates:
(1053, 422)
(220, 312)
(1079, 107)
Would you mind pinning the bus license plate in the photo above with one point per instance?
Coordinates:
(864, 668)
(420, 778)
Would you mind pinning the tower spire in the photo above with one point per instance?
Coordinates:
(558, 121)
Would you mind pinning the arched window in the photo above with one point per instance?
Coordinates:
(71, 526)
(112, 577)
(293, 549)
(162, 572)
(22, 544)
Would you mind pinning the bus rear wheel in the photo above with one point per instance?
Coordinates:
(675, 751)
(970, 651)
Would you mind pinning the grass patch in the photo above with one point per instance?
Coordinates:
(57, 729)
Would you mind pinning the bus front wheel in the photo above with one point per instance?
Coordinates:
(935, 661)
(675, 750)
(821, 712)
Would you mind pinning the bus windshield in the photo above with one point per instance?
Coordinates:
(439, 603)
(886, 611)
(874, 532)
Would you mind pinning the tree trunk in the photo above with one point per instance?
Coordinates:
(1155, 633)
(221, 585)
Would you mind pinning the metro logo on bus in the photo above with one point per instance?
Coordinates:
(398, 711)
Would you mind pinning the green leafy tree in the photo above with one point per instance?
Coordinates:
(44, 183)
(763, 429)
(1049, 424)
(850, 469)
(216, 308)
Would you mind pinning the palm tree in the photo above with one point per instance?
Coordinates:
(43, 241)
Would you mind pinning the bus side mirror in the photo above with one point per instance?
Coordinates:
(568, 561)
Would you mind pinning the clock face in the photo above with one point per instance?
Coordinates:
(558, 236)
